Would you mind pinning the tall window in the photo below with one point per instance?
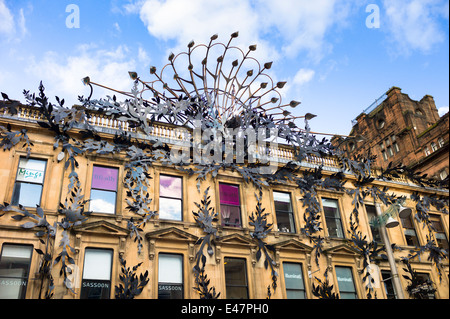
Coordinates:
(293, 278)
(332, 217)
(410, 231)
(236, 278)
(104, 190)
(372, 215)
(433, 147)
(395, 144)
(388, 284)
(96, 283)
(15, 263)
(345, 282)
(170, 197)
(441, 142)
(170, 276)
(283, 211)
(440, 233)
(29, 182)
(383, 151)
(230, 205)
(426, 150)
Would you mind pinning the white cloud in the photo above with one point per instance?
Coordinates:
(303, 76)
(443, 110)
(7, 25)
(414, 24)
(298, 25)
(61, 75)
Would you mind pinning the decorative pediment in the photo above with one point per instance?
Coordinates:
(293, 244)
(342, 249)
(235, 239)
(101, 227)
(171, 233)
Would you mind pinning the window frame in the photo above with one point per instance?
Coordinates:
(26, 276)
(413, 228)
(341, 224)
(436, 218)
(172, 198)
(183, 281)
(45, 160)
(389, 277)
(290, 214)
(245, 273)
(116, 192)
(223, 223)
(303, 279)
(355, 292)
(377, 236)
(83, 280)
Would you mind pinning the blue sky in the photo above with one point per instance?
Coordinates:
(333, 62)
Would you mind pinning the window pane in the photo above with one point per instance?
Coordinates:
(236, 278)
(229, 194)
(97, 264)
(105, 178)
(345, 282)
(170, 291)
(388, 285)
(293, 276)
(170, 208)
(282, 201)
(237, 293)
(95, 289)
(285, 222)
(334, 227)
(31, 170)
(170, 269)
(27, 195)
(295, 294)
(170, 186)
(103, 201)
(170, 276)
(231, 215)
(235, 272)
(14, 268)
(407, 222)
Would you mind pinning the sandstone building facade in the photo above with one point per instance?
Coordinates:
(403, 131)
(38, 174)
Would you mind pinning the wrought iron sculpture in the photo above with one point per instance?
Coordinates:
(223, 89)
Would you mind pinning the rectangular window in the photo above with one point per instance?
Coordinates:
(284, 213)
(96, 283)
(104, 190)
(388, 285)
(439, 231)
(170, 276)
(29, 182)
(424, 280)
(236, 278)
(170, 197)
(293, 278)
(345, 282)
(333, 218)
(410, 231)
(372, 215)
(15, 263)
(389, 150)
(230, 205)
